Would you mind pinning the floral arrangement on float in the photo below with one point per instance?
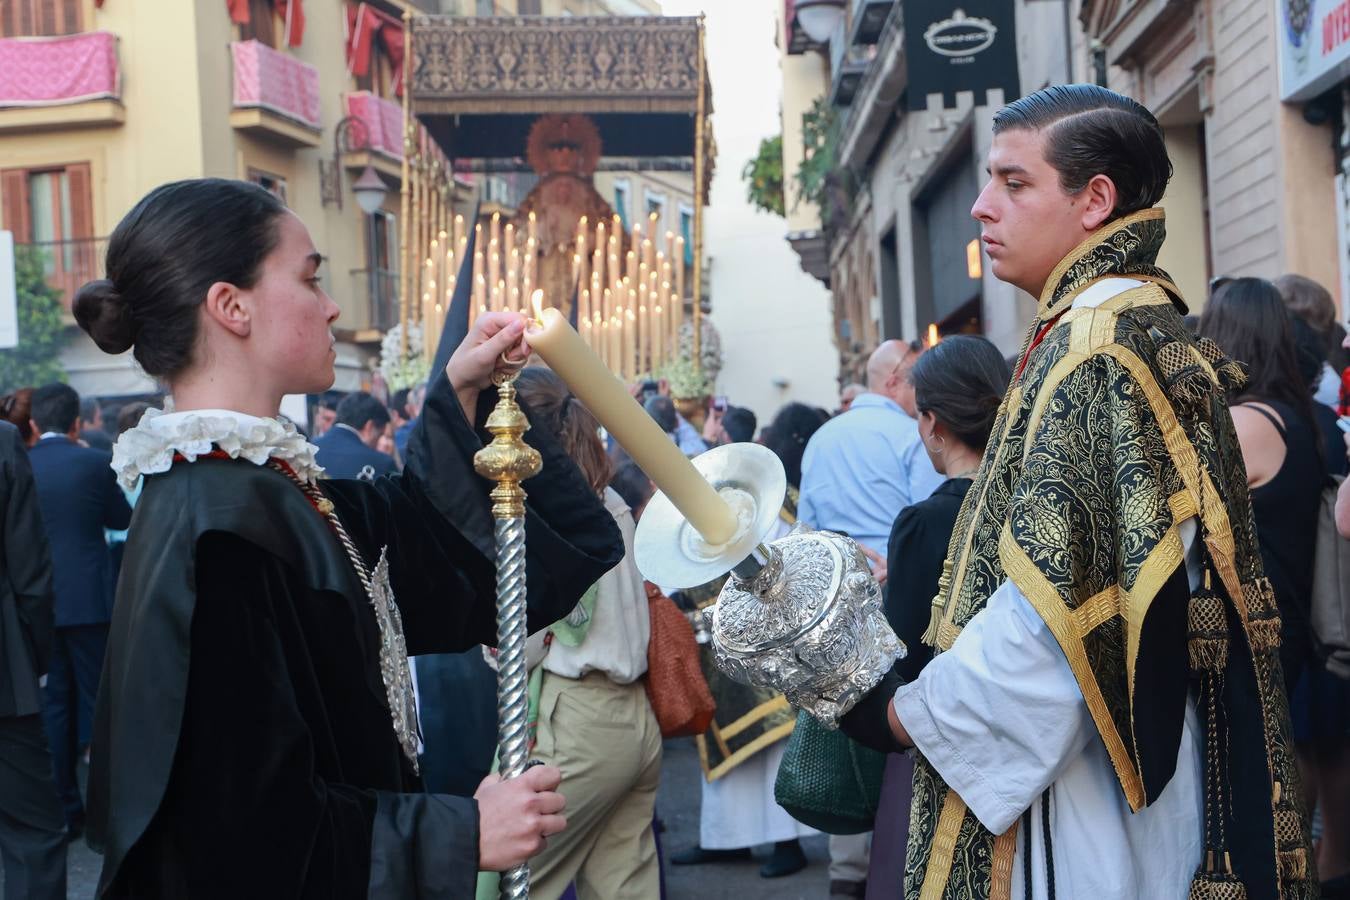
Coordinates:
(403, 365)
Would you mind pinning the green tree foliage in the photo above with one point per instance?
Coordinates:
(763, 177)
(820, 179)
(37, 359)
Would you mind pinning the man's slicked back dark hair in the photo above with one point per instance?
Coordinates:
(1090, 130)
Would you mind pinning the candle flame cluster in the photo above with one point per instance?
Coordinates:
(439, 272)
(630, 306)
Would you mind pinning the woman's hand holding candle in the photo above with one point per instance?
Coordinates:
(651, 448)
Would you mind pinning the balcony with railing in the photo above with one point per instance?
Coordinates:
(276, 96)
(867, 19)
(847, 66)
(61, 82)
(69, 264)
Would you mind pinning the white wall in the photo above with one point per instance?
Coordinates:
(774, 319)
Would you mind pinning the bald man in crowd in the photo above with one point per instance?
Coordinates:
(865, 465)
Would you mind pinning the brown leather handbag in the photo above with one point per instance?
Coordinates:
(676, 688)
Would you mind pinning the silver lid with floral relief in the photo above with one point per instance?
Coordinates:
(810, 624)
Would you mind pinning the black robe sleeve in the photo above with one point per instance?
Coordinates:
(435, 523)
(912, 585)
(254, 807)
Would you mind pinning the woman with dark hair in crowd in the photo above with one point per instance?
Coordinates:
(594, 720)
(255, 733)
(1272, 414)
(958, 386)
(16, 408)
(1286, 469)
(787, 435)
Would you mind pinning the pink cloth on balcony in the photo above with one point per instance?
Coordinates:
(275, 81)
(383, 120)
(50, 71)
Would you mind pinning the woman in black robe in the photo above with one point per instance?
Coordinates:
(255, 734)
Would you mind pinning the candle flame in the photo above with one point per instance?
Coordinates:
(933, 336)
(537, 301)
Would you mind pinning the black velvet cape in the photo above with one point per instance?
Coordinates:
(242, 741)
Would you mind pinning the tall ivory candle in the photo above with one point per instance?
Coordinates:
(651, 448)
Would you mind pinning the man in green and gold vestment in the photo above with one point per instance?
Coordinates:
(1105, 716)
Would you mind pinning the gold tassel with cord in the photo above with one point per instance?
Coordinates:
(930, 635)
(1185, 373)
(1207, 637)
(1293, 856)
(1263, 616)
(1211, 884)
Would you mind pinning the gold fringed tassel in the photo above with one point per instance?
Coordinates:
(1289, 839)
(1211, 884)
(1263, 616)
(1184, 371)
(930, 635)
(1207, 638)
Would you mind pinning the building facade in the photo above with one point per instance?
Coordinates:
(1254, 142)
(102, 100)
(1258, 186)
(184, 90)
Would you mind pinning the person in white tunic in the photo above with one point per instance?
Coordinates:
(1105, 716)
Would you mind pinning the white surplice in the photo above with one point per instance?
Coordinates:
(1001, 718)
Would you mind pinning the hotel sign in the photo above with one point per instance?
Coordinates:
(1314, 38)
(960, 45)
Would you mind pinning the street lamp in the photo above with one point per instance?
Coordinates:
(351, 135)
(370, 191)
(819, 18)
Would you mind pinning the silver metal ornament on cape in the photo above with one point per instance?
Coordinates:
(801, 614)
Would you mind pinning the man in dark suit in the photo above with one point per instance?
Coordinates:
(92, 431)
(32, 830)
(348, 449)
(79, 497)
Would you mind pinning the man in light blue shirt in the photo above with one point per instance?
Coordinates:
(865, 465)
(859, 471)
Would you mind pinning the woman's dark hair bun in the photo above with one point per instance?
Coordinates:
(105, 314)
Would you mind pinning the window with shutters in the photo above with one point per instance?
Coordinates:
(262, 25)
(380, 77)
(51, 208)
(273, 184)
(30, 18)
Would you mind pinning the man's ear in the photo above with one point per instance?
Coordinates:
(1099, 202)
(225, 304)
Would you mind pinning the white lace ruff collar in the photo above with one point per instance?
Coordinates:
(148, 449)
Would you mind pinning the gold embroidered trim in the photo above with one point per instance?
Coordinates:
(1091, 242)
(939, 867)
(1096, 610)
(1001, 868)
(1050, 606)
(947, 630)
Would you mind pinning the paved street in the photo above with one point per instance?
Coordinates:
(677, 806)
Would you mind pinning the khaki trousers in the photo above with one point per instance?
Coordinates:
(604, 738)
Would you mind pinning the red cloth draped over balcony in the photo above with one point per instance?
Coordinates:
(292, 14)
(49, 71)
(276, 81)
(365, 25)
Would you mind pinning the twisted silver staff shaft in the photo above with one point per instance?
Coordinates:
(512, 677)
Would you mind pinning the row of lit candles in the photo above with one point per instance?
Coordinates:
(629, 301)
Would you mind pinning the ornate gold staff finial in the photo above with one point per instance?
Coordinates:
(507, 460)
